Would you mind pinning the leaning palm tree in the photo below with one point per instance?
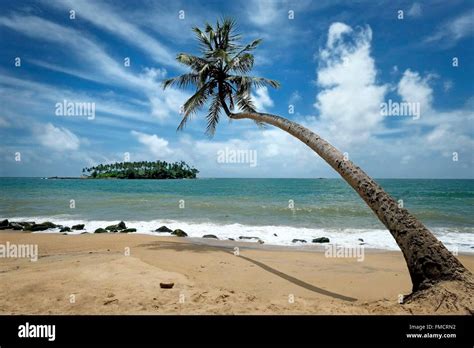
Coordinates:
(220, 77)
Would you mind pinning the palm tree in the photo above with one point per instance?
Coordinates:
(220, 77)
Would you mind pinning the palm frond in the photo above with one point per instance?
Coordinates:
(182, 81)
(244, 102)
(242, 64)
(203, 39)
(213, 116)
(195, 102)
(195, 63)
(255, 81)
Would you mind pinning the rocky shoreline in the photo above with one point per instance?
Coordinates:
(121, 227)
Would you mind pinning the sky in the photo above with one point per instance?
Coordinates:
(338, 63)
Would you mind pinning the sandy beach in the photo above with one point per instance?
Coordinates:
(121, 274)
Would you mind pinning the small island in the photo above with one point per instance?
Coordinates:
(141, 170)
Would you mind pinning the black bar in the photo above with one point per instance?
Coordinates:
(327, 330)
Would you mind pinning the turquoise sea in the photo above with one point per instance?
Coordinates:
(289, 208)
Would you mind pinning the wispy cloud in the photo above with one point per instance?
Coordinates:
(453, 30)
(116, 24)
(96, 64)
(69, 39)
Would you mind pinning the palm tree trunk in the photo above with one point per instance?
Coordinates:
(427, 259)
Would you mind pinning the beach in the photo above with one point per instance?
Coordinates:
(115, 273)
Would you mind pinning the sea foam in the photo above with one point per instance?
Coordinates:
(461, 240)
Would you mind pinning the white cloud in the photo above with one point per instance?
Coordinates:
(349, 105)
(453, 30)
(350, 98)
(336, 31)
(154, 144)
(261, 99)
(56, 138)
(413, 88)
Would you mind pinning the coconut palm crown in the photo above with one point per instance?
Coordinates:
(220, 75)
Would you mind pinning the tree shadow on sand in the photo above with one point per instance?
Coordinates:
(207, 248)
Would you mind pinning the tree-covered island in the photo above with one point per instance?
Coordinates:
(141, 170)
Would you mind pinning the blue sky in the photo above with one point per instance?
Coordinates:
(337, 62)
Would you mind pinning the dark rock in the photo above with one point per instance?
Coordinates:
(4, 223)
(321, 240)
(100, 230)
(128, 230)
(4, 227)
(40, 227)
(15, 226)
(85, 233)
(163, 229)
(360, 240)
(231, 239)
(65, 229)
(179, 233)
(260, 241)
(166, 285)
(210, 236)
(115, 228)
(26, 223)
(275, 235)
(49, 224)
(298, 240)
(78, 227)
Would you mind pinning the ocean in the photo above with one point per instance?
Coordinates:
(275, 210)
